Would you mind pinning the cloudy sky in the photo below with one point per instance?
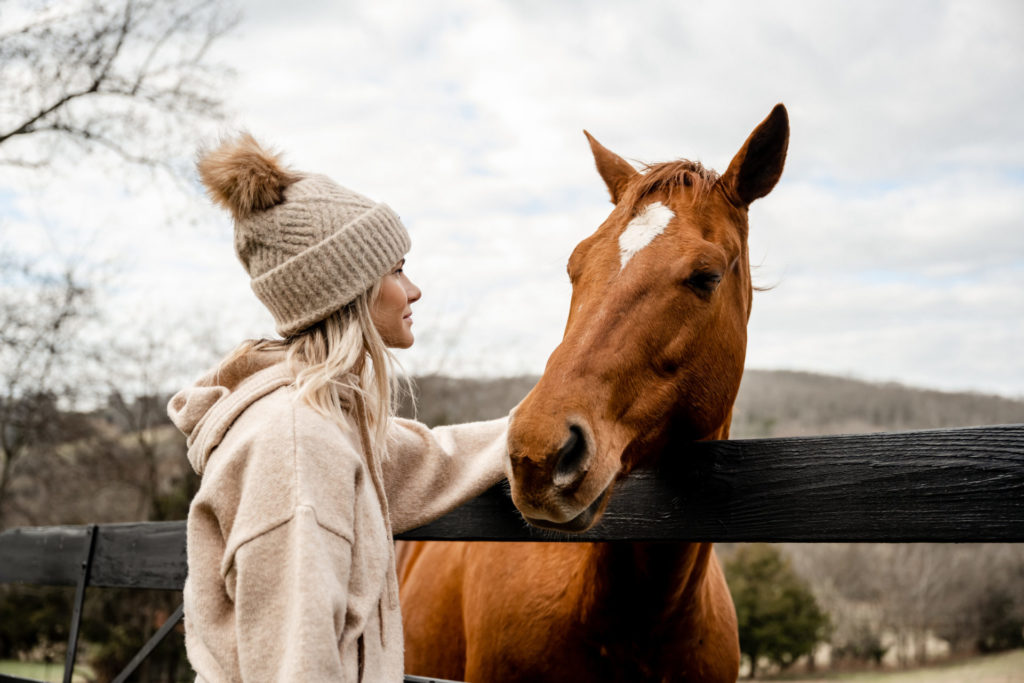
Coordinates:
(894, 243)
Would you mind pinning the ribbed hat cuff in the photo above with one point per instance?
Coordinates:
(324, 278)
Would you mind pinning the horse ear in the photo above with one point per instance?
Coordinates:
(615, 170)
(756, 168)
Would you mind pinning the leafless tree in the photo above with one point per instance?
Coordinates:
(129, 78)
(958, 592)
(143, 368)
(40, 313)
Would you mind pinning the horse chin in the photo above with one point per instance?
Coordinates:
(581, 522)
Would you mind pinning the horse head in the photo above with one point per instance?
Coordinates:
(656, 335)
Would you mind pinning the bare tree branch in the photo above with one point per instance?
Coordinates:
(132, 79)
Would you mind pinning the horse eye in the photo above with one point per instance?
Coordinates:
(704, 282)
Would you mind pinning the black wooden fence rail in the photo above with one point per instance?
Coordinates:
(956, 485)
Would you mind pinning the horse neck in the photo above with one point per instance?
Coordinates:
(661, 581)
(654, 580)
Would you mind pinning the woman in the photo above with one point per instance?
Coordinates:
(305, 472)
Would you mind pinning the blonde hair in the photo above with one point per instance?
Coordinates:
(338, 358)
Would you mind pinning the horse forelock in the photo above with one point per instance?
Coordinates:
(671, 175)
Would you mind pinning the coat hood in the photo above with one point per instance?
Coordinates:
(205, 410)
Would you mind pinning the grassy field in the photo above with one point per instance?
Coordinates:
(39, 671)
(1007, 667)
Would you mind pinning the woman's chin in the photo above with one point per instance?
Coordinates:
(403, 343)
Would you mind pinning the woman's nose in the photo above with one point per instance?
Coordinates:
(413, 292)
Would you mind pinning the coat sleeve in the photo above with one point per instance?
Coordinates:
(430, 472)
(290, 586)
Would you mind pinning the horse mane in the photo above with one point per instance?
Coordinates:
(669, 175)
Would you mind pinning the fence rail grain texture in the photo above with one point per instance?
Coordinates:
(959, 485)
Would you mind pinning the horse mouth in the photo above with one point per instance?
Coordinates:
(580, 522)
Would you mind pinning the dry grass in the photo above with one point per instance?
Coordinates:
(1006, 667)
(43, 672)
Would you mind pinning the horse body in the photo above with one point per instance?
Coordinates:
(653, 352)
(568, 611)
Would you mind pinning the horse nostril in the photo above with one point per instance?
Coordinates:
(571, 457)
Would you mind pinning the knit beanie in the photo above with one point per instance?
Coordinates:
(310, 245)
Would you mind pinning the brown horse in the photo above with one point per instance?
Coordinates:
(653, 352)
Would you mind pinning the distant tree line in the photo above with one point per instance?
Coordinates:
(787, 403)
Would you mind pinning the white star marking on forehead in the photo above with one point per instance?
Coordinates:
(640, 231)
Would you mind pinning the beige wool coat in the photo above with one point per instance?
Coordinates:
(291, 573)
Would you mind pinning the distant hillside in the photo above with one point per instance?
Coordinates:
(449, 400)
(785, 403)
(97, 473)
(770, 403)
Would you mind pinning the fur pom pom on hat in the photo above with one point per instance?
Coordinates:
(243, 177)
(310, 246)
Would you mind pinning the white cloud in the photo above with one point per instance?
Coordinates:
(895, 236)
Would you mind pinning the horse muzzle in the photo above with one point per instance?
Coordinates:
(559, 483)
(581, 522)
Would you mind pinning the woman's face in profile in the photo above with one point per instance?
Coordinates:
(392, 310)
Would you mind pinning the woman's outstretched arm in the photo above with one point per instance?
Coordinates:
(430, 472)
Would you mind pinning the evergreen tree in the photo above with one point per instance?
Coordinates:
(778, 616)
